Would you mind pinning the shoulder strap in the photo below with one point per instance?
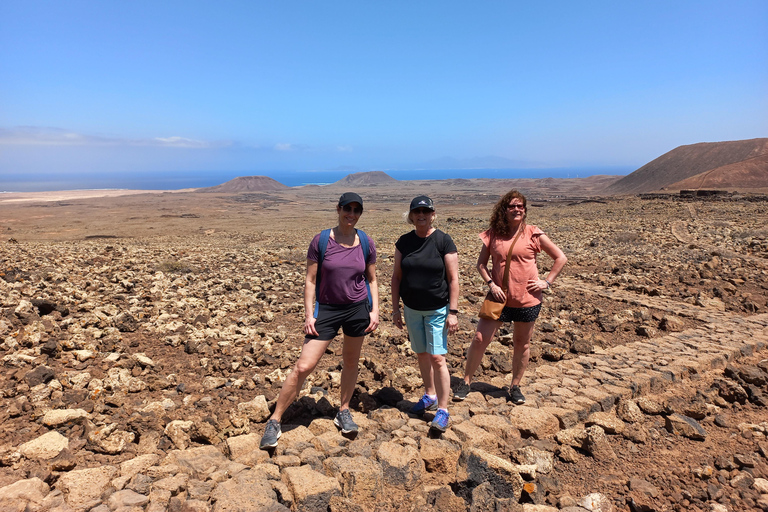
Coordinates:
(505, 283)
(364, 244)
(322, 245)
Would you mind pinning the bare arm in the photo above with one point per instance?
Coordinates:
(370, 272)
(482, 268)
(452, 274)
(309, 298)
(554, 252)
(397, 276)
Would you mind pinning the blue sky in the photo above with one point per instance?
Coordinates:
(252, 87)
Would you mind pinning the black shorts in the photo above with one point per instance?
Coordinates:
(520, 314)
(352, 318)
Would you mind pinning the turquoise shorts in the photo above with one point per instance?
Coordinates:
(427, 330)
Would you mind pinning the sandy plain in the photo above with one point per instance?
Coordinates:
(213, 284)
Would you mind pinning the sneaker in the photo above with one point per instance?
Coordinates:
(343, 420)
(460, 392)
(516, 395)
(441, 420)
(271, 434)
(424, 404)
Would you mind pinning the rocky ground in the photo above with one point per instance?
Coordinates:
(144, 339)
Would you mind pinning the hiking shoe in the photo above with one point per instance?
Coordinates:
(440, 421)
(424, 404)
(343, 420)
(271, 434)
(460, 392)
(516, 395)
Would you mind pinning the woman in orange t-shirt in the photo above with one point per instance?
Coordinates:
(524, 289)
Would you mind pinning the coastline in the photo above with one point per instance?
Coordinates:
(68, 195)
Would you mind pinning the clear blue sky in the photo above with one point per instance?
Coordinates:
(248, 86)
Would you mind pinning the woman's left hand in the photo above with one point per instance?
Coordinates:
(374, 324)
(453, 323)
(536, 285)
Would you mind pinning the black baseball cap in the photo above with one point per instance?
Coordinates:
(350, 197)
(422, 202)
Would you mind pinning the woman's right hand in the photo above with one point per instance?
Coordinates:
(497, 293)
(397, 319)
(309, 326)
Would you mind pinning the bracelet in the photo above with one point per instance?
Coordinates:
(548, 283)
(453, 311)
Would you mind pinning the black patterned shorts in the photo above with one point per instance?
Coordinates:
(520, 314)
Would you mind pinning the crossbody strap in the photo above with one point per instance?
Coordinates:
(504, 285)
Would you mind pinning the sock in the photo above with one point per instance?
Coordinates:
(432, 397)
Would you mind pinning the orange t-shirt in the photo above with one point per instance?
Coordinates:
(522, 266)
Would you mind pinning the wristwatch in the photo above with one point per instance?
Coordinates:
(453, 311)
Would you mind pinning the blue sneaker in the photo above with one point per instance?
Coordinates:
(441, 420)
(423, 405)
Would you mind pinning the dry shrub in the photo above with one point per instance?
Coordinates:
(174, 267)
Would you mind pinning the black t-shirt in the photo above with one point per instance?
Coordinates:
(423, 285)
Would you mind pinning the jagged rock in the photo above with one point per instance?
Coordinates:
(502, 475)
(609, 422)
(57, 417)
(248, 490)
(597, 445)
(47, 446)
(83, 487)
(685, 426)
(23, 495)
(312, 491)
(40, 375)
(534, 422)
(439, 455)
(443, 499)
(245, 449)
(402, 465)
(629, 411)
(597, 502)
(361, 479)
(543, 460)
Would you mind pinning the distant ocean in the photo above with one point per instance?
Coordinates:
(179, 180)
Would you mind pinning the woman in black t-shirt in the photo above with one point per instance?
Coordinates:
(426, 277)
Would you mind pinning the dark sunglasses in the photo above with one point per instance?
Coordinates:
(348, 208)
(422, 210)
(515, 207)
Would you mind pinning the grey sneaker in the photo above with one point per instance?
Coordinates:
(516, 395)
(343, 420)
(460, 392)
(271, 434)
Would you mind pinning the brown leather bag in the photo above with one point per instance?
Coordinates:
(491, 309)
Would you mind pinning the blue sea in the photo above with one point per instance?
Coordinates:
(180, 180)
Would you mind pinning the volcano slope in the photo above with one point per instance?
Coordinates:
(145, 337)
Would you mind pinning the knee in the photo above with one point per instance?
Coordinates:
(437, 360)
(304, 368)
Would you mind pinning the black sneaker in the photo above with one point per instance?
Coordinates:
(271, 434)
(516, 395)
(460, 392)
(343, 420)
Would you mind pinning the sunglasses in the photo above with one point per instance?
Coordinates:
(422, 211)
(347, 208)
(515, 207)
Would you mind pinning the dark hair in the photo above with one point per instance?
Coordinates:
(499, 225)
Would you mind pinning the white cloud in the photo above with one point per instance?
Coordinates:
(48, 136)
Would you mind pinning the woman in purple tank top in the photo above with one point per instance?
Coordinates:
(341, 292)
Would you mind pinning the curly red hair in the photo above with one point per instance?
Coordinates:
(499, 225)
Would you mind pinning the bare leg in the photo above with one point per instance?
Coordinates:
(522, 350)
(311, 353)
(350, 354)
(483, 336)
(425, 366)
(442, 379)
